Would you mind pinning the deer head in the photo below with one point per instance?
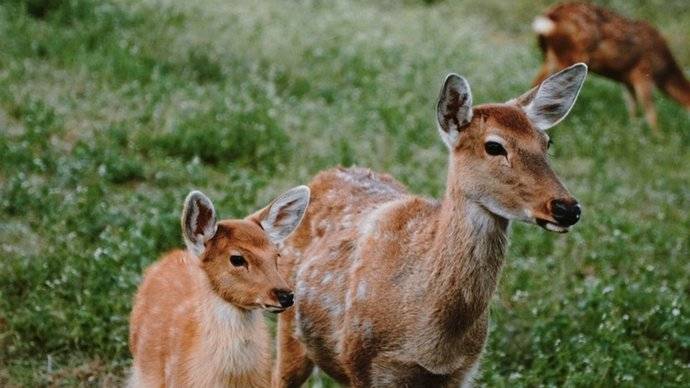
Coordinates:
(498, 152)
(240, 256)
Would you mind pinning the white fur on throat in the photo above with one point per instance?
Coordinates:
(233, 342)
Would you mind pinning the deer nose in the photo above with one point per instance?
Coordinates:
(285, 297)
(565, 212)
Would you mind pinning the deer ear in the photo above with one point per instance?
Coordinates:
(547, 104)
(198, 222)
(454, 108)
(284, 214)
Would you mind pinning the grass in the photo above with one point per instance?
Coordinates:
(111, 111)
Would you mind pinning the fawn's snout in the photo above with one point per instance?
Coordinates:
(285, 297)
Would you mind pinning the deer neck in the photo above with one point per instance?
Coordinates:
(466, 260)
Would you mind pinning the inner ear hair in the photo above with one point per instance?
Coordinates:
(285, 213)
(454, 108)
(550, 102)
(198, 221)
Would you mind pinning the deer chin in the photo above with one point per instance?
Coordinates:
(552, 226)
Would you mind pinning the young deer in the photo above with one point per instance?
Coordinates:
(628, 51)
(392, 289)
(197, 318)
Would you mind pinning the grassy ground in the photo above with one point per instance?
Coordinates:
(111, 111)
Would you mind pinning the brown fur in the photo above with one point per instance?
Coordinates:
(195, 320)
(393, 289)
(629, 51)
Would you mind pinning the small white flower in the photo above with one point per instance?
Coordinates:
(675, 312)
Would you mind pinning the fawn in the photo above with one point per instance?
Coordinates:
(392, 289)
(197, 318)
(628, 51)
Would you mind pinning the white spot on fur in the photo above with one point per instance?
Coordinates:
(348, 301)
(361, 290)
(368, 182)
(333, 309)
(367, 329)
(370, 223)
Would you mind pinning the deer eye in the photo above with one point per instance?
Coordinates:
(494, 148)
(549, 144)
(238, 261)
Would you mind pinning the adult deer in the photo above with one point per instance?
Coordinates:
(197, 320)
(392, 289)
(628, 51)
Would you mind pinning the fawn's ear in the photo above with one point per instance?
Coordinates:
(454, 108)
(547, 104)
(198, 221)
(284, 214)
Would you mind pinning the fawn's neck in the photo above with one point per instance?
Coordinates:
(223, 317)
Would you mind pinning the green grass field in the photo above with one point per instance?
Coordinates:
(111, 111)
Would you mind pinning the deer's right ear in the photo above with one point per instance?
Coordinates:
(454, 108)
(198, 222)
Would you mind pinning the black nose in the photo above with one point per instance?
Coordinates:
(566, 212)
(285, 297)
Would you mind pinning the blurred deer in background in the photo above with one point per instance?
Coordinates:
(393, 289)
(197, 318)
(629, 51)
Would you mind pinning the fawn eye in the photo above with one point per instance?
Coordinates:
(238, 261)
(494, 148)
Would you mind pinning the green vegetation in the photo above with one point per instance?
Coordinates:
(111, 111)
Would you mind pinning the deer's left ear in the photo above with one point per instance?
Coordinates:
(454, 108)
(547, 104)
(284, 214)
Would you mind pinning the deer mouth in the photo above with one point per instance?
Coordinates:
(273, 309)
(552, 226)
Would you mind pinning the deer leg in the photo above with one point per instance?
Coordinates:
(541, 76)
(644, 87)
(292, 367)
(629, 98)
(547, 68)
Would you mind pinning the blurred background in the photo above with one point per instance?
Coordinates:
(111, 111)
